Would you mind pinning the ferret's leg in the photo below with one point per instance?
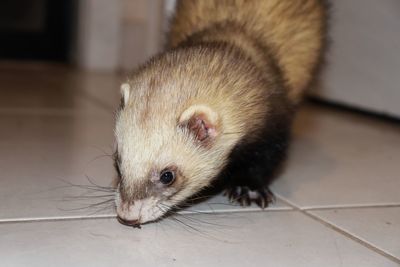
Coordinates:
(252, 169)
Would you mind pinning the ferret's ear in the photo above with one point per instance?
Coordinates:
(125, 93)
(202, 122)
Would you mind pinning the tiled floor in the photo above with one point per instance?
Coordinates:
(338, 198)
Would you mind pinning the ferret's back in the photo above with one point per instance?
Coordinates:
(291, 29)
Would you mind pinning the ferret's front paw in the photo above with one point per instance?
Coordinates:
(242, 194)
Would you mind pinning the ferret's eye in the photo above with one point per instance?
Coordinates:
(167, 177)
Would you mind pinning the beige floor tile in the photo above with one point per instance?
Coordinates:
(379, 227)
(233, 239)
(56, 87)
(42, 154)
(341, 159)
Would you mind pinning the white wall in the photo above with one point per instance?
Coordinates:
(117, 34)
(98, 34)
(363, 67)
(141, 31)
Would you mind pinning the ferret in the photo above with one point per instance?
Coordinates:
(217, 104)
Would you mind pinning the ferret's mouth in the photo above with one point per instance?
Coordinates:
(132, 223)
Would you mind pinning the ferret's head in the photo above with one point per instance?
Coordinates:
(166, 152)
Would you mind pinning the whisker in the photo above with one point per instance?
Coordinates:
(189, 226)
(89, 206)
(98, 186)
(102, 209)
(196, 220)
(232, 133)
(88, 187)
(201, 197)
(192, 229)
(99, 157)
(87, 197)
(183, 207)
(102, 150)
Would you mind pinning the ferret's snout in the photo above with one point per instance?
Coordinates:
(134, 223)
(137, 212)
(128, 214)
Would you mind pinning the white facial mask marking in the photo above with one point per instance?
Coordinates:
(144, 210)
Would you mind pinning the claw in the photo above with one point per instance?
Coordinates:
(244, 196)
(232, 195)
(261, 202)
(270, 196)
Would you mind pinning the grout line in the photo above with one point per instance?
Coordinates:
(224, 211)
(41, 111)
(55, 112)
(366, 206)
(108, 216)
(351, 206)
(354, 238)
(343, 232)
(183, 212)
(54, 219)
(237, 209)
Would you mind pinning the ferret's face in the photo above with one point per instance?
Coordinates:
(162, 158)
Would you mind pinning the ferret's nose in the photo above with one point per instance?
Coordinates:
(134, 223)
